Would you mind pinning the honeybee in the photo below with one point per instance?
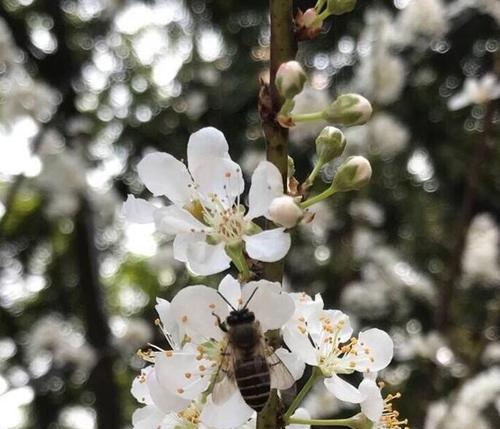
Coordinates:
(248, 363)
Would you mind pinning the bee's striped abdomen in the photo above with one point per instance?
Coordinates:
(254, 381)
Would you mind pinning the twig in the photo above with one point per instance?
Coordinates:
(283, 48)
(464, 218)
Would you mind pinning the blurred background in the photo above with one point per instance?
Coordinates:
(87, 87)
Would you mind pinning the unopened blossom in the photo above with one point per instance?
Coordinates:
(189, 372)
(206, 215)
(323, 338)
(476, 91)
(353, 174)
(290, 79)
(285, 211)
(348, 110)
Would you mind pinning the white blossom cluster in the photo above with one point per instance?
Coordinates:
(178, 388)
(191, 383)
(20, 94)
(465, 410)
(54, 341)
(481, 257)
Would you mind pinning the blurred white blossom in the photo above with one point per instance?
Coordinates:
(480, 260)
(476, 91)
(422, 18)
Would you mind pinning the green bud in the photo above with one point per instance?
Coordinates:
(353, 174)
(348, 110)
(290, 79)
(339, 7)
(330, 144)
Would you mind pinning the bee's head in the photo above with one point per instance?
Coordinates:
(238, 317)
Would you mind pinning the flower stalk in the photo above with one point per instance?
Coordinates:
(315, 375)
(350, 423)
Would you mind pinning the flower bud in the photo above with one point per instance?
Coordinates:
(348, 110)
(311, 20)
(290, 79)
(330, 144)
(353, 174)
(285, 211)
(339, 7)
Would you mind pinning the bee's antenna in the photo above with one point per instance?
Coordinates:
(227, 302)
(251, 296)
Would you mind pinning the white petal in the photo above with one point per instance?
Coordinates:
(165, 400)
(373, 404)
(230, 289)
(343, 390)
(179, 373)
(164, 175)
(228, 415)
(138, 210)
(300, 413)
(220, 177)
(193, 307)
(292, 362)
(206, 259)
(268, 246)
(298, 342)
(305, 306)
(267, 184)
(140, 390)
(272, 307)
(381, 347)
(459, 101)
(182, 242)
(337, 318)
(147, 417)
(204, 144)
(167, 318)
(174, 220)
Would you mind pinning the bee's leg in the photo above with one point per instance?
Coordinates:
(222, 325)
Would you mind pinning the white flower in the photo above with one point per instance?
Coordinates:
(481, 253)
(476, 91)
(323, 338)
(377, 409)
(206, 215)
(381, 75)
(425, 18)
(191, 371)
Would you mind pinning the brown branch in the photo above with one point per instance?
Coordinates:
(102, 378)
(283, 48)
(481, 149)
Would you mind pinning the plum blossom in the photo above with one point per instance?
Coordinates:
(476, 91)
(206, 216)
(190, 370)
(378, 410)
(323, 338)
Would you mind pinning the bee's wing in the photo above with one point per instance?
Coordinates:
(281, 377)
(225, 383)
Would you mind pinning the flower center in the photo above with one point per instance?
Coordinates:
(228, 223)
(190, 416)
(330, 350)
